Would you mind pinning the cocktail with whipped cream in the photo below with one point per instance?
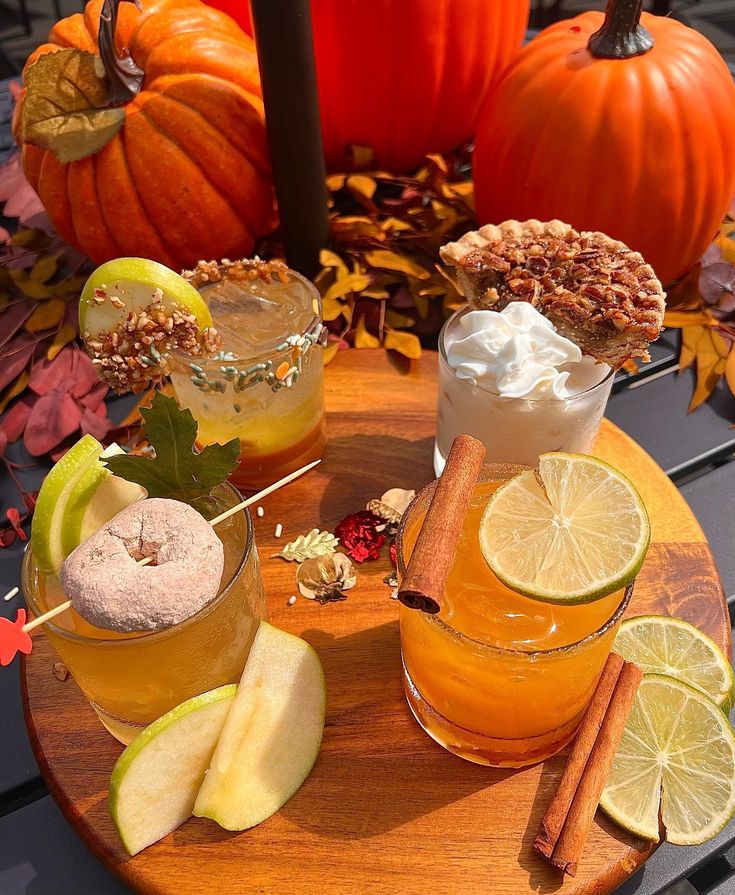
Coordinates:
(527, 368)
(511, 380)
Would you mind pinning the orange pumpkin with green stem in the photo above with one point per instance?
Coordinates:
(186, 176)
(624, 125)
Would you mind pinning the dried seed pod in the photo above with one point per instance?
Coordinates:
(392, 505)
(325, 578)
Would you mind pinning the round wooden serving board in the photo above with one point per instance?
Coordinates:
(385, 809)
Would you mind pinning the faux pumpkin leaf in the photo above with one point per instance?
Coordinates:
(66, 107)
(308, 546)
(393, 261)
(177, 469)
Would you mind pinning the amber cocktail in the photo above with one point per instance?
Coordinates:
(496, 677)
(266, 386)
(132, 679)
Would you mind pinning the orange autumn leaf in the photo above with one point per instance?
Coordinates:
(330, 352)
(689, 338)
(680, 319)
(352, 282)
(730, 369)
(363, 338)
(66, 334)
(711, 352)
(393, 261)
(407, 344)
(362, 185)
(14, 390)
(46, 315)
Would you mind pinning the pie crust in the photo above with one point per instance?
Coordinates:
(594, 289)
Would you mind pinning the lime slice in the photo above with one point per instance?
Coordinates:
(579, 534)
(133, 283)
(662, 645)
(677, 754)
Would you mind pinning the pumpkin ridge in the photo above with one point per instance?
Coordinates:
(167, 135)
(100, 204)
(141, 200)
(260, 165)
(130, 181)
(246, 160)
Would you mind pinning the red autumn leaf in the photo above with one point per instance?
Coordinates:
(54, 416)
(95, 424)
(21, 200)
(7, 536)
(94, 398)
(49, 375)
(3, 442)
(13, 639)
(15, 359)
(14, 421)
(12, 318)
(15, 521)
(84, 374)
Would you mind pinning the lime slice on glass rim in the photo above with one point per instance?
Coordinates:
(134, 282)
(676, 757)
(660, 644)
(571, 532)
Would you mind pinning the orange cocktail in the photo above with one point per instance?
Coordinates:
(132, 679)
(497, 677)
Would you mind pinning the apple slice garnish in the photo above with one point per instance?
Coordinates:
(272, 734)
(130, 284)
(156, 779)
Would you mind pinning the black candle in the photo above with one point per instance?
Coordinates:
(286, 59)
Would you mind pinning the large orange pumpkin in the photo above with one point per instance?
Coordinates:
(626, 127)
(406, 78)
(187, 176)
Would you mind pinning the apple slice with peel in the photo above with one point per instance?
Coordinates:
(134, 282)
(111, 496)
(156, 779)
(272, 734)
(62, 500)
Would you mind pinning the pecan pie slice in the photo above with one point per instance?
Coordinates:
(594, 289)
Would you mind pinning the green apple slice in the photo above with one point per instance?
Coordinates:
(62, 500)
(134, 282)
(156, 779)
(111, 496)
(272, 735)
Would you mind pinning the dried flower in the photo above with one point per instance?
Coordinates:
(325, 578)
(362, 535)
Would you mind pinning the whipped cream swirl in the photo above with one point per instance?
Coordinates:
(517, 353)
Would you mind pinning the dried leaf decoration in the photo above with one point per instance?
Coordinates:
(66, 107)
(308, 546)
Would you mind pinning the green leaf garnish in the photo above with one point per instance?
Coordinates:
(178, 469)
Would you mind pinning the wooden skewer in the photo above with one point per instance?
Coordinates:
(62, 607)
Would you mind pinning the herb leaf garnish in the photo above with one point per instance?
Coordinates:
(177, 468)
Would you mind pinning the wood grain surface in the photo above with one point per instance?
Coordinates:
(385, 810)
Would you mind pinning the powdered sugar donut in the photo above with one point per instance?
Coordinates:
(109, 589)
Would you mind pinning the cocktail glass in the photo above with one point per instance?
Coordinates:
(266, 386)
(496, 677)
(513, 430)
(132, 679)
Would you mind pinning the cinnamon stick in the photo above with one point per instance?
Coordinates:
(423, 584)
(579, 819)
(556, 814)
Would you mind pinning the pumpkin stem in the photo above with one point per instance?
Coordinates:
(124, 77)
(622, 34)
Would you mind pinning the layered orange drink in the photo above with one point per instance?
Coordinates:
(496, 676)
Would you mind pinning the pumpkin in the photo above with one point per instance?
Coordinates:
(187, 175)
(406, 78)
(624, 124)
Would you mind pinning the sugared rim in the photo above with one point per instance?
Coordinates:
(143, 635)
(492, 472)
(550, 401)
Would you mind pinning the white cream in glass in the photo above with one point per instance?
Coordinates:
(511, 380)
